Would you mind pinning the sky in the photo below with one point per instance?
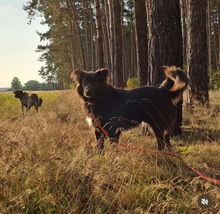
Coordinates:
(18, 44)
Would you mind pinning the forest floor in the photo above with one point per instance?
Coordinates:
(49, 162)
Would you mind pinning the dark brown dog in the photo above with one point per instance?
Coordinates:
(117, 110)
(28, 100)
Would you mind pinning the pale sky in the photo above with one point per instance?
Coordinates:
(18, 42)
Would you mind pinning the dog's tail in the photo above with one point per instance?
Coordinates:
(175, 83)
(39, 103)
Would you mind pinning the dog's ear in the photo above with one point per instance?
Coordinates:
(103, 72)
(17, 91)
(77, 75)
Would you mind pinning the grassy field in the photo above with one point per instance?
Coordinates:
(49, 162)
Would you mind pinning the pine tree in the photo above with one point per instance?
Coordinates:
(15, 84)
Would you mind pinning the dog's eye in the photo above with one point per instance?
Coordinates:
(85, 82)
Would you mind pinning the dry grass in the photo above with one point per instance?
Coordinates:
(49, 163)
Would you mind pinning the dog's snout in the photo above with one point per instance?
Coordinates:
(88, 92)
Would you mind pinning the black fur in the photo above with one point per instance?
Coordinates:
(28, 100)
(117, 110)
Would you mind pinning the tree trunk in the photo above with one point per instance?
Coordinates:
(73, 9)
(92, 65)
(197, 52)
(107, 36)
(142, 42)
(184, 30)
(165, 44)
(99, 34)
(209, 43)
(215, 44)
(112, 42)
(72, 38)
(218, 16)
(133, 50)
(87, 62)
(118, 44)
(209, 35)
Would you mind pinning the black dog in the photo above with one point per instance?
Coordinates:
(117, 110)
(28, 100)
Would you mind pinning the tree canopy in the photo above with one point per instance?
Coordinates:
(16, 83)
(85, 34)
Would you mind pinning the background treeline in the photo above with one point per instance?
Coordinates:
(132, 38)
(33, 85)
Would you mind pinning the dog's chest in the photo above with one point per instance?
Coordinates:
(89, 121)
(24, 100)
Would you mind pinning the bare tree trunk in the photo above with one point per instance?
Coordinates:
(215, 44)
(118, 43)
(124, 71)
(107, 36)
(93, 66)
(133, 50)
(142, 42)
(209, 35)
(112, 42)
(165, 44)
(99, 34)
(72, 6)
(209, 43)
(197, 52)
(218, 15)
(184, 31)
(87, 62)
(72, 39)
(96, 55)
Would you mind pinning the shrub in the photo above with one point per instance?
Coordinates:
(133, 82)
(72, 85)
(215, 79)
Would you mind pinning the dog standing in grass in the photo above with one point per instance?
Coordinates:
(116, 110)
(28, 100)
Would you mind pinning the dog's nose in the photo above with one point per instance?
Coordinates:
(88, 92)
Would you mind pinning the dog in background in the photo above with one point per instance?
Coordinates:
(28, 100)
(117, 110)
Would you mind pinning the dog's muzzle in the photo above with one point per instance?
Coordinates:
(87, 92)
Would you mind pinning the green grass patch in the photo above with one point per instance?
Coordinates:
(10, 106)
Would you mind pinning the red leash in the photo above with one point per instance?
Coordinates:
(97, 123)
(214, 181)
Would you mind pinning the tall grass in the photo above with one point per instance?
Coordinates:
(49, 162)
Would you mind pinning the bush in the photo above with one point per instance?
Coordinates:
(133, 82)
(215, 79)
(72, 85)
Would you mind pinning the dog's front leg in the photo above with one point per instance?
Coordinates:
(22, 109)
(36, 108)
(161, 144)
(27, 109)
(114, 141)
(160, 141)
(115, 138)
(100, 137)
(167, 141)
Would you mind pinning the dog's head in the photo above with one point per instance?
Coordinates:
(18, 93)
(90, 84)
